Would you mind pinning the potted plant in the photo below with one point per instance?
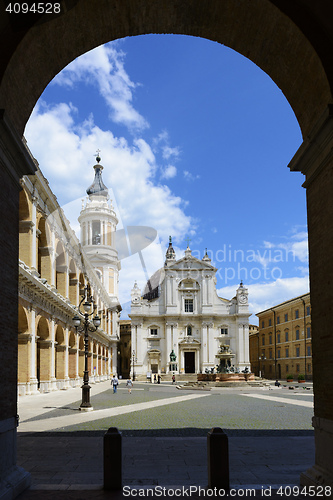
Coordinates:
(290, 378)
(301, 378)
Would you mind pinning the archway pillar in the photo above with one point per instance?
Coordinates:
(315, 159)
(14, 163)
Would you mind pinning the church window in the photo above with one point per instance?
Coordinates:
(224, 331)
(189, 305)
(153, 331)
(189, 330)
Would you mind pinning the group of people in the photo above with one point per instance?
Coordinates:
(115, 383)
(129, 382)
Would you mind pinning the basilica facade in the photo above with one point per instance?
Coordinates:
(54, 269)
(180, 324)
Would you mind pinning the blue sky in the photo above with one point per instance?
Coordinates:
(195, 141)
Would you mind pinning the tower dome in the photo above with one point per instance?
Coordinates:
(98, 188)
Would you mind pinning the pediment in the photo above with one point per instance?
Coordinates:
(188, 263)
(190, 341)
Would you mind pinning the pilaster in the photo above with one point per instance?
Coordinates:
(315, 160)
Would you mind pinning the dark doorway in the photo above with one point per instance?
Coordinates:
(189, 362)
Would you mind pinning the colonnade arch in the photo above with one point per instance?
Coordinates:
(291, 42)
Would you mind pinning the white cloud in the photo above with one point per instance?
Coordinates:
(188, 176)
(169, 172)
(104, 68)
(262, 296)
(296, 248)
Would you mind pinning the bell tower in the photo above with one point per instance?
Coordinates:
(98, 223)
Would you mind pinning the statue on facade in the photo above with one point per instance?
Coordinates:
(173, 356)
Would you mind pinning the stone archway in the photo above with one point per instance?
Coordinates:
(291, 41)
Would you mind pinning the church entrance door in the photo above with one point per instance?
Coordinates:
(189, 362)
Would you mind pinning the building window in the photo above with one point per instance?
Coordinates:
(297, 352)
(296, 314)
(189, 330)
(278, 320)
(286, 317)
(269, 322)
(308, 332)
(153, 331)
(270, 339)
(309, 368)
(287, 353)
(297, 368)
(224, 331)
(189, 305)
(263, 340)
(287, 368)
(308, 350)
(270, 354)
(270, 368)
(279, 353)
(308, 311)
(297, 334)
(263, 324)
(278, 338)
(287, 336)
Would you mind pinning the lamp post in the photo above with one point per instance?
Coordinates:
(134, 359)
(261, 358)
(87, 327)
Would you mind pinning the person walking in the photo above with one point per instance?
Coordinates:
(114, 383)
(173, 379)
(158, 378)
(129, 385)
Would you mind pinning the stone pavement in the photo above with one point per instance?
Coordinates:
(70, 464)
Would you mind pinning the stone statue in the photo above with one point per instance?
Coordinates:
(173, 356)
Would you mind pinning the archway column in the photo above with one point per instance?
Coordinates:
(33, 353)
(14, 163)
(315, 159)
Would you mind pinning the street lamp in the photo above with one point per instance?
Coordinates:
(134, 359)
(261, 358)
(87, 327)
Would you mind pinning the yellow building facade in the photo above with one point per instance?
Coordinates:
(282, 345)
(53, 271)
